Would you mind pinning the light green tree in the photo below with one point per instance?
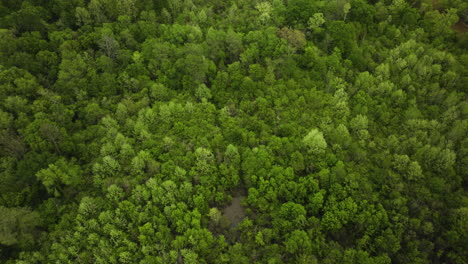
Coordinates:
(316, 21)
(265, 10)
(60, 174)
(315, 142)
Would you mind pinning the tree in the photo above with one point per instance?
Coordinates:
(346, 8)
(215, 215)
(28, 18)
(298, 242)
(339, 213)
(315, 142)
(265, 10)
(316, 21)
(18, 226)
(11, 144)
(298, 12)
(45, 135)
(202, 92)
(82, 16)
(72, 75)
(61, 173)
(295, 38)
(108, 43)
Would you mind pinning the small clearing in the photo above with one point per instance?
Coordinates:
(234, 213)
(460, 27)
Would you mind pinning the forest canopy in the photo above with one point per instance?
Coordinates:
(243, 131)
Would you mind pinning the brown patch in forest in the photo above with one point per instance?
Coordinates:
(436, 5)
(234, 213)
(460, 27)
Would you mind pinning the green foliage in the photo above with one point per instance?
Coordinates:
(18, 226)
(59, 174)
(315, 142)
(236, 131)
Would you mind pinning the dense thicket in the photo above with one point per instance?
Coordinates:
(127, 129)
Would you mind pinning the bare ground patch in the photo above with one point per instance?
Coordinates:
(460, 27)
(235, 212)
